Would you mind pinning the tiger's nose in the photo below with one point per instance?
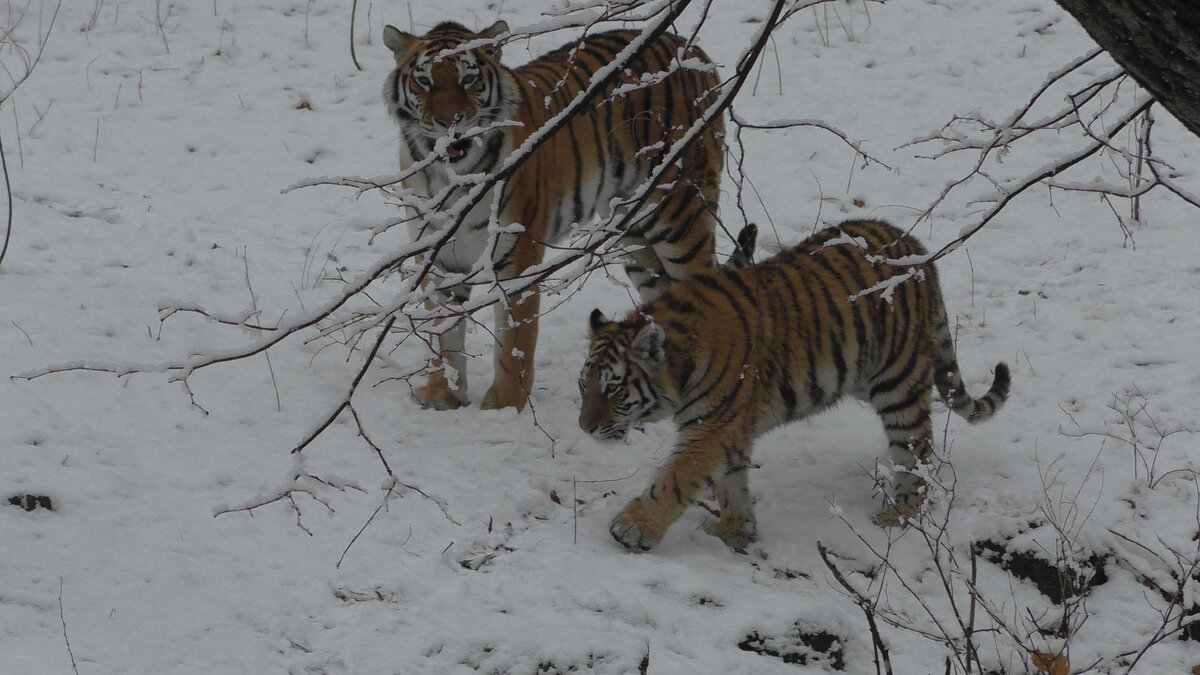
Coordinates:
(447, 121)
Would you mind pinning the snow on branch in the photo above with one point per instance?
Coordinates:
(1095, 109)
(1005, 194)
(813, 123)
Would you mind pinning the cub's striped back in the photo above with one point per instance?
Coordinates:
(731, 354)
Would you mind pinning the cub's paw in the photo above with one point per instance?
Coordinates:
(438, 398)
(634, 527)
(737, 534)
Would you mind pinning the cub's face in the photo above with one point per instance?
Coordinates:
(436, 92)
(618, 384)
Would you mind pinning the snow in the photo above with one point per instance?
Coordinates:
(151, 171)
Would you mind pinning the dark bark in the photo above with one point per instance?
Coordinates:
(1155, 41)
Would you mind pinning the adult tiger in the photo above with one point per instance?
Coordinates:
(730, 354)
(455, 101)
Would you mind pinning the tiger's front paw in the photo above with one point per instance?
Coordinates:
(636, 527)
(438, 398)
(736, 533)
(499, 397)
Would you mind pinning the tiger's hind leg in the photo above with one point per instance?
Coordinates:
(909, 430)
(737, 526)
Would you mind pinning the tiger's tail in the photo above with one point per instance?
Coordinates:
(949, 383)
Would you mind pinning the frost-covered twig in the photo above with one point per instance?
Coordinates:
(1006, 194)
(1142, 432)
(1087, 109)
(1156, 168)
(346, 400)
(390, 491)
(856, 146)
(1012, 128)
(1176, 618)
(299, 481)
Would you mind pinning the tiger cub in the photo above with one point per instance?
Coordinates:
(460, 111)
(732, 353)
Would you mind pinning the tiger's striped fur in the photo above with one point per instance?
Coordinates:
(730, 354)
(456, 104)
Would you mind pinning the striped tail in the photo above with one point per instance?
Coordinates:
(948, 380)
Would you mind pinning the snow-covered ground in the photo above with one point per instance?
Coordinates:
(149, 154)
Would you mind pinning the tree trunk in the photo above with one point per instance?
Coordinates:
(1156, 41)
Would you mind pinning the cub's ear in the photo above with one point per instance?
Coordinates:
(743, 252)
(397, 41)
(747, 239)
(596, 322)
(649, 346)
(495, 30)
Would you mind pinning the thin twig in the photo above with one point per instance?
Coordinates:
(362, 529)
(353, 55)
(345, 403)
(62, 617)
(816, 124)
(254, 309)
(9, 197)
(23, 332)
(441, 503)
(1033, 179)
(881, 650)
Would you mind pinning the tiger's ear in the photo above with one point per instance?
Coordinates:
(649, 346)
(495, 30)
(596, 322)
(397, 41)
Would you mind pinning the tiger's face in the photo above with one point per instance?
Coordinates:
(620, 385)
(438, 94)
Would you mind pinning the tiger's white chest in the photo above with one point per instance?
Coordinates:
(472, 240)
